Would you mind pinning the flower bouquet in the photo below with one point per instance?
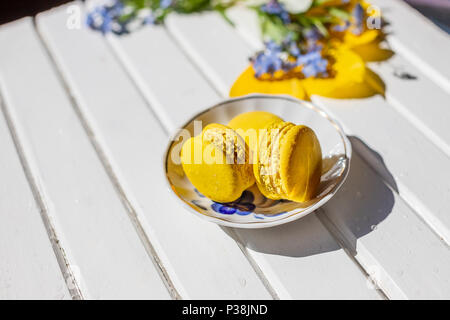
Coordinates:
(311, 47)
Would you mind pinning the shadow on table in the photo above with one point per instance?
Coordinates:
(363, 202)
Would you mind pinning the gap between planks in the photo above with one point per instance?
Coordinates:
(345, 245)
(30, 172)
(128, 204)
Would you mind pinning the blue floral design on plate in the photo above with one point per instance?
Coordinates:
(247, 204)
(242, 206)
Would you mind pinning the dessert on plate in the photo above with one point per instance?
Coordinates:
(284, 159)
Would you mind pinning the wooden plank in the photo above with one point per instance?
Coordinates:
(302, 260)
(134, 51)
(412, 162)
(202, 261)
(231, 52)
(28, 266)
(393, 263)
(389, 240)
(419, 100)
(424, 44)
(99, 242)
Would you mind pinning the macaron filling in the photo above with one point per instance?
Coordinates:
(288, 163)
(268, 165)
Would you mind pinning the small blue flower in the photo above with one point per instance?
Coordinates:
(291, 46)
(315, 68)
(164, 4)
(308, 57)
(341, 27)
(273, 7)
(99, 19)
(106, 18)
(269, 60)
(313, 64)
(312, 34)
(358, 17)
(149, 19)
(242, 206)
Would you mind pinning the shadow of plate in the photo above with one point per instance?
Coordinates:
(363, 202)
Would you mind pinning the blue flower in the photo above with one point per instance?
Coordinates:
(106, 18)
(291, 46)
(164, 4)
(149, 19)
(99, 19)
(315, 68)
(279, 57)
(313, 64)
(312, 34)
(358, 17)
(275, 8)
(269, 60)
(341, 27)
(242, 206)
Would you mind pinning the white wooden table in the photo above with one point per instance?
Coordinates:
(84, 211)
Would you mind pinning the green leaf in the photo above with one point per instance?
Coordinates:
(339, 13)
(272, 27)
(319, 25)
(222, 12)
(189, 6)
(317, 3)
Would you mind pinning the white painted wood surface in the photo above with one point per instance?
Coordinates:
(390, 241)
(376, 201)
(91, 118)
(418, 39)
(133, 141)
(28, 267)
(97, 239)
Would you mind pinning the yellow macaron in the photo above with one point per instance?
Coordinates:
(250, 125)
(217, 163)
(288, 163)
(255, 120)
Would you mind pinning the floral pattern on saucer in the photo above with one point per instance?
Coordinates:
(245, 205)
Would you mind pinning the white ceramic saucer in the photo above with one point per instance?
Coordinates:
(252, 209)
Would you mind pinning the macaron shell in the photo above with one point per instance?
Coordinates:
(238, 156)
(253, 120)
(301, 163)
(210, 173)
